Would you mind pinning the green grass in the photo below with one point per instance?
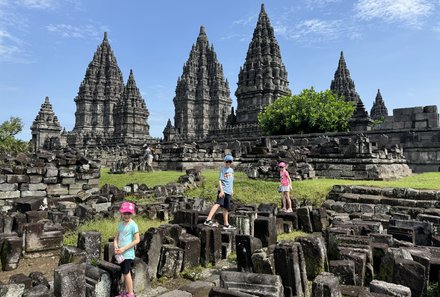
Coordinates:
(107, 228)
(259, 191)
(151, 179)
(291, 235)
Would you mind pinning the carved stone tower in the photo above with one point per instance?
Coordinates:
(45, 129)
(263, 77)
(360, 121)
(379, 110)
(98, 93)
(342, 84)
(131, 115)
(202, 100)
(169, 132)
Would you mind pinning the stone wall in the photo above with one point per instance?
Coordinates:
(56, 174)
(420, 117)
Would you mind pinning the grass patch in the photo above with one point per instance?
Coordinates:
(193, 273)
(252, 191)
(291, 235)
(151, 179)
(107, 228)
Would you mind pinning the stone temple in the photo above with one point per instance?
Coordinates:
(111, 117)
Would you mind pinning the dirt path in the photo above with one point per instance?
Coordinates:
(46, 265)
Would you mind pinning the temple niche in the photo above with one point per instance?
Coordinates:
(202, 100)
(263, 77)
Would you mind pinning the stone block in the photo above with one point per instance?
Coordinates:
(17, 178)
(9, 194)
(252, 283)
(98, 281)
(176, 293)
(381, 287)
(360, 261)
(221, 292)
(30, 203)
(344, 270)
(190, 244)
(210, 244)
(263, 261)
(12, 290)
(245, 245)
(90, 241)
(315, 254)
(289, 216)
(141, 279)
(291, 267)
(38, 278)
(326, 285)
(171, 260)
(11, 253)
(320, 219)
(25, 194)
(57, 189)
(20, 278)
(35, 179)
(411, 274)
(51, 172)
(38, 291)
(304, 219)
(8, 187)
(70, 281)
(33, 187)
(115, 274)
(198, 288)
(149, 249)
(265, 230)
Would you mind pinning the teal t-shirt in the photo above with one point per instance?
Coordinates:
(126, 236)
(226, 177)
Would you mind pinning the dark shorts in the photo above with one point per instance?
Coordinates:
(225, 201)
(126, 266)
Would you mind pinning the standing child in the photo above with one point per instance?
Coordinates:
(125, 240)
(224, 195)
(285, 187)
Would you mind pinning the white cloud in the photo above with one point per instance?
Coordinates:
(9, 46)
(86, 31)
(37, 4)
(311, 4)
(410, 12)
(310, 31)
(246, 21)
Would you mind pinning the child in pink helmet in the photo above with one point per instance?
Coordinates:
(285, 187)
(126, 238)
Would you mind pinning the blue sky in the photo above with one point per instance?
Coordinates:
(46, 45)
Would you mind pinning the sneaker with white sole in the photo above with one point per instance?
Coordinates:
(210, 223)
(229, 227)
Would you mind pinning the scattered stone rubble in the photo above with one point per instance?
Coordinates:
(363, 241)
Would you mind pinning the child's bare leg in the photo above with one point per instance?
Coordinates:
(284, 200)
(225, 217)
(213, 211)
(289, 201)
(128, 283)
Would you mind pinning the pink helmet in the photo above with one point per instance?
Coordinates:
(282, 164)
(127, 207)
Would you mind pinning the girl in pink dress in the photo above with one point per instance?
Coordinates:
(285, 187)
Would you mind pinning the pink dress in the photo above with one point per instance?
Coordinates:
(285, 183)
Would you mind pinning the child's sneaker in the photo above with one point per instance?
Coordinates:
(210, 223)
(289, 210)
(129, 295)
(122, 294)
(283, 209)
(229, 227)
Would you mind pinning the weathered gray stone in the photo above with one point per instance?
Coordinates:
(11, 253)
(252, 283)
(176, 293)
(90, 241)
(150, 250)
(38, 291)
(315, 254)
(99, 281)
(326, 285)
(70, 281)
(12, 290)
(72, 254)
(141, 279)
(262, 262)
(344, 270)
(377, 286)
(191, 247)
(171, 260)
(198, 288)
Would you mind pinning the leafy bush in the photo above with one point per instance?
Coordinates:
(308, 112)
(8, 143)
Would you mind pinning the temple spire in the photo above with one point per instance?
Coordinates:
(45, 127)
(202, 100)
(131, 115)
(379, 110)
(263, 77)
(342, 84)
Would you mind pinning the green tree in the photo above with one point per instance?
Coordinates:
(8, 143)
(307, 112)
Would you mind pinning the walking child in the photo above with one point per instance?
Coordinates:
(126, 238)
(224, 194)
(285, 187)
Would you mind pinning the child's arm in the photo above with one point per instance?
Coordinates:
(131, 244)
(115, 241)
